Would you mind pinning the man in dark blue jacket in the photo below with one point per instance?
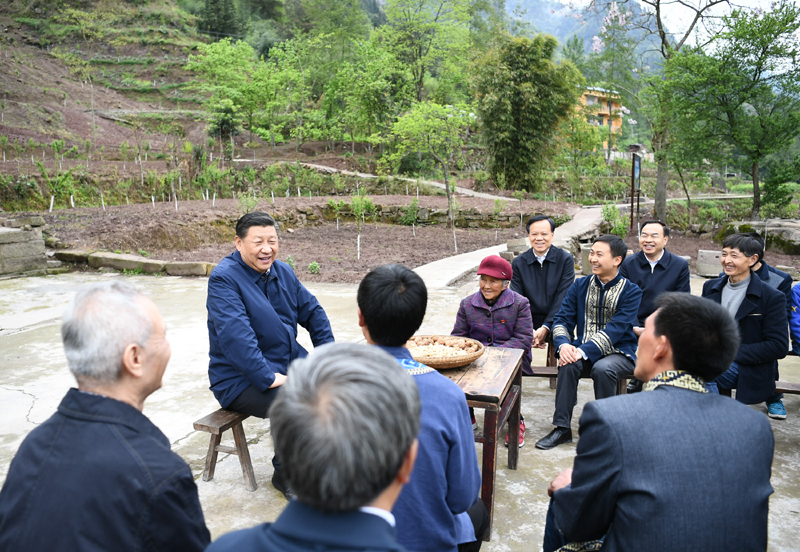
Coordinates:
(439, 509)
(760, 311)
(673, 468)
(255, 303)
(655, 270)
(345, 425)
(98, 475)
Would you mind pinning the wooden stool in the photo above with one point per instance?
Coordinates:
(216, 424)
(552, 373)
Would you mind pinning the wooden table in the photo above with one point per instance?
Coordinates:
(493, 383)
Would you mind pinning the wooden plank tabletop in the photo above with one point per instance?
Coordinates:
(489, 378)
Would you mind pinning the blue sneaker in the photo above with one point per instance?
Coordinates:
(776, 410)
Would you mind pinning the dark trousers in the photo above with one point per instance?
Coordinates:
(605, 373)
(479, 517)
(553, 539)
(255, 403)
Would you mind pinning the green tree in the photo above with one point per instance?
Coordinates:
(341, 22)
(219, 18)
(747, 92)
(438, 131)
(428, 36)
(265, 9)
(523, 95)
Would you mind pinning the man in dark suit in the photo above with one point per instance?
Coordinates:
(655, 270)
(760, 311)
(543, 275)
(98, 475)
(674, 468)
(345, 425)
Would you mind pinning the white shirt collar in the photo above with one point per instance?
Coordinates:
(387, 516)
(542, 257)
(653, 263)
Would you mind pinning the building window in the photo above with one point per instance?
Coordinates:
(591, 100)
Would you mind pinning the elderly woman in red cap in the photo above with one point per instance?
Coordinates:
(497, 316)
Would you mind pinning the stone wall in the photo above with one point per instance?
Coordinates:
(22, 246)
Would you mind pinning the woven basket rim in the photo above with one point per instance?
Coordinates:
(450, 362)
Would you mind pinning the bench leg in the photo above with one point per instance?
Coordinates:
(553, 383)
(211, 457)
(244, 458)
(622, 386)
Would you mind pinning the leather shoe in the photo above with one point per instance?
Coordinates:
(634, 386)
(558, 436)
(282, 485)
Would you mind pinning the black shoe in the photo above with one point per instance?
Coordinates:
(558, 436)
(282, 485)
(634, 386)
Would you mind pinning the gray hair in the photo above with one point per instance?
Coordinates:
(99, 323)
(343, 423)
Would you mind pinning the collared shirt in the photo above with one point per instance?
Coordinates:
(381, 513)
(252, 334)
(654, 263)
(541, 257)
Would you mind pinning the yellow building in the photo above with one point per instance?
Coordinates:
(604, 109)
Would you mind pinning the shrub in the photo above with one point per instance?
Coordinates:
(313, 268)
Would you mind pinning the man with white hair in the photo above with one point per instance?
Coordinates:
(345, 426)
(98, 475)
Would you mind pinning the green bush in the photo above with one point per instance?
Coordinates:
(313, 268)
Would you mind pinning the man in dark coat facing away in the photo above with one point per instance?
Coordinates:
(673, 468)
(345, 425)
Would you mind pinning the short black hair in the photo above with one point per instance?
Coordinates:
(537, 218)
(760, 240)
(256, 218)
(703, 335)
(618, 246)
(392, 299)
(654, 221)
(745, 243)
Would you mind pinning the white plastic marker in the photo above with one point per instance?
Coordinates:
(72, 201)
(176, 202)
(126, 200)
(52, 199)
(214, 201)
(273, 195)
(298, 191)
(102, 201)
(154, 201)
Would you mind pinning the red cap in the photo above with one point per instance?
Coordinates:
(496, 267)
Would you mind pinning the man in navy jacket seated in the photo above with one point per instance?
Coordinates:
(255, 303)
(760, 311)
(345, 426)
(98, 475)
(655, 270)
(673, 468)
(440, 509)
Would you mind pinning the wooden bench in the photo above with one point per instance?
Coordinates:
(551, 371)
(216, 424)
(787, 387)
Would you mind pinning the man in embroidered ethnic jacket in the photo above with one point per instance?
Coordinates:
(439, 508)
(603, 307)
(643, 478)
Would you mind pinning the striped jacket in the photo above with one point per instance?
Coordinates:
(505, 324)
(602, 317)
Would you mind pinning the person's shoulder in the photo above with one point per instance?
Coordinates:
(245, 540)
(518, 298)
(227, 267)
(441, 386)
(712, 285)
(562, 254)
(631, 259)
(285, 273)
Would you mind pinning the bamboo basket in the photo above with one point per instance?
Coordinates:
(450, 362)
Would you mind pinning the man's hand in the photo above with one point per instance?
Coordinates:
(638, 331)
(568, 354)
(280, 379)
(563, 479)
(539, 337)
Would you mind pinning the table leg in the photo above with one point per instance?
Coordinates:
(513, 424)
(489, 465)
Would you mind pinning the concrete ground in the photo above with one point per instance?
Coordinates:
(34, 377)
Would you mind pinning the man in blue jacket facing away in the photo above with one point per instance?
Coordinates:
(98, 475)
(255, 303)
(439, 509)
(345, 424)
